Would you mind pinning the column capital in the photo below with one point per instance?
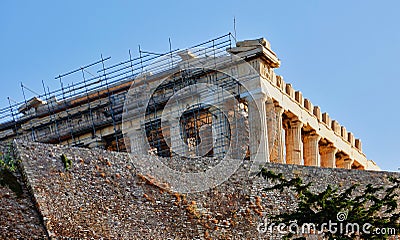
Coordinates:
(349, 160)
(279, 110)
(346, 163)
(259, 95)
(329, 148)
(292, 123)
(269, 104)
(295, 123)
(312, 136)
(328, 153)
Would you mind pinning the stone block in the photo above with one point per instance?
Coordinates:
(326, 119)
(336, 127)
(358, 144)
(280, 83)
(256, 42)
(289, 90)
(350, 138)
(308, 105)
(317, 112)
(344, 132)
(299, 97)
(273, 78)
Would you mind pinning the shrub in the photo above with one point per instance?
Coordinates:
(67, 162)
(376, 206)
(7, 160)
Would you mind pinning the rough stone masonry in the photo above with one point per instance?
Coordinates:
(103, 197)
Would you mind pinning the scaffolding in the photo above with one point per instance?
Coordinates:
(87, 109)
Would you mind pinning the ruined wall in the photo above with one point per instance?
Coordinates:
(102, 195)
(19, 217)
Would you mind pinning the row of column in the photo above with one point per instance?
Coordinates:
(273, 133)
(286, 135)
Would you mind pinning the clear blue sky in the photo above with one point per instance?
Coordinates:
(343, 55)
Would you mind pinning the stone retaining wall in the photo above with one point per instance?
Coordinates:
(19, 217)
(103, 196)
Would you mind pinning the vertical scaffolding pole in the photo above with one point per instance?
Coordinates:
(230, 41)
(13, 117)
(37, 132)
(26, 105)
(66, 110)
(141, 60)
(170, 52)
(53, 118)
(88, 102)
(98, 116)
(130, 61)
(110, 104)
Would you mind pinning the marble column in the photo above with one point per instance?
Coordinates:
(328, 158)
(294, 148)
(344, 162)
(258, 130)
(219, 132)
(138, 142)
(275, 129)
(311, 150)
(178, 146)
(347, 163)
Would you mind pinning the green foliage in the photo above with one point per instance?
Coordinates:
(67, 162)
(8, 179)
(376, 206)
(7, 167)
(7, 160)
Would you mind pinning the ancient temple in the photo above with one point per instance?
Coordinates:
(219, 98)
